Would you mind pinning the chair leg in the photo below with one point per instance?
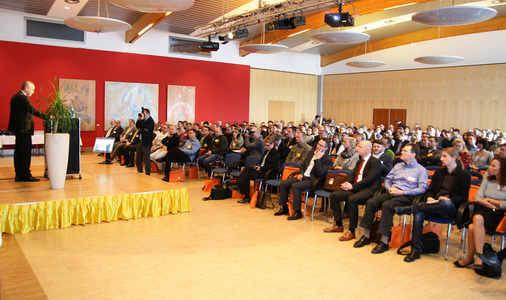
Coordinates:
(448, 240)
(314, 204)
(462, 239)
(502, 244)
(492, 240)
(403, 227)
(305, 205)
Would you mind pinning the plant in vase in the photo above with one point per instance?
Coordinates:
(58, 121)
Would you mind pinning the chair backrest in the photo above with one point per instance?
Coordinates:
(478, 175)
(251, 160)
(472, 192)
(347, 172)
(231, 157)
(433, 168)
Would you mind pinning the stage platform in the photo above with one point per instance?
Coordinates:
(105, 193)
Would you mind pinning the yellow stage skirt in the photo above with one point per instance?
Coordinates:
(64, 213)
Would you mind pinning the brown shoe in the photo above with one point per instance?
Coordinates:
(347, 236)
(334, 228)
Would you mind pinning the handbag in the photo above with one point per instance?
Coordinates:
(176, 176)
(333, 182)
(396, 237)
(263, 198)
(209, 183)
(430, 244)
(487, 270)
(218, 192)
(254, 200)
(288, 171)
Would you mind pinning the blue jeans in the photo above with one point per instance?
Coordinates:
(441, 209)
(205, 161)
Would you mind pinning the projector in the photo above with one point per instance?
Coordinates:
(209, 46)
(339, 19)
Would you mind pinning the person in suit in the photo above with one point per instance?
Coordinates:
(22, 125)
(117, 150)
(378, 151)
(358, 188)
(218, 147)
(187, 152)
(431, 156)
(146, 128)
(317, 164)
(269, 161)
(281, 147)
(406, 180)
(448, 189)
(400, 141)
(116, 132)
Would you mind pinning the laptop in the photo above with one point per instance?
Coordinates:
(103, 145)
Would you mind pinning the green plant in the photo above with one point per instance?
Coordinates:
(58, 114)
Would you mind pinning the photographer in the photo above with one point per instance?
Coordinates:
(146, 126)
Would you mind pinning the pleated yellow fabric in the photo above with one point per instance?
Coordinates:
(80, 211)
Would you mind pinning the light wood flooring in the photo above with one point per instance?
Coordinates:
(219, 250)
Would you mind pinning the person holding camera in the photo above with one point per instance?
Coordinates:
(146, 128)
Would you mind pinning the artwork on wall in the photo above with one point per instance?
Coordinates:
(123, 100)
(180, 103)
(82, 94)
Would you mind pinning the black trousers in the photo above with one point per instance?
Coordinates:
(23, 155)
(297, 187)
(129, 153)
(143, 152)
(386, 202)
(174, 155)
(353, 200)
(248, 174)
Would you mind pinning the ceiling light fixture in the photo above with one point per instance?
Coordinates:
(97, 24)
(454, 15)
(72, 1)
(152, 6)
(438, 59)
(366, 63)
(145, 29)
(340, 37)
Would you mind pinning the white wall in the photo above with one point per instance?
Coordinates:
(156, 42)
(476, 49)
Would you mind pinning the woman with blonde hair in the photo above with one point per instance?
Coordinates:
(464, 156)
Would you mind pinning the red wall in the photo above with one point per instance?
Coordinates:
(222, 90)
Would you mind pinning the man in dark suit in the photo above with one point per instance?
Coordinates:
(378, 151)
(147, 126)
(21, 124)
(281, 147)
(358, 188)
(400, 141)
(269, 161)
(117, 131)
(317, 164)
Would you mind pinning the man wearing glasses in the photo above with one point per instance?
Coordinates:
(316, 164)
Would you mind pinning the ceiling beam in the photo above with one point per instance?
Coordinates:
(148, 19)
(416, 37)
(363, 7)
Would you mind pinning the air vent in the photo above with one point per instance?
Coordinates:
(187, 46)
(52, 30)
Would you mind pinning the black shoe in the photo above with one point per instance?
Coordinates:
(362, 242)
(17, 178)
(491, 261)
(130, 166)
(100, 154)
(412, 257)
(244, 200)
(282, 211)
(30, 179)
(105, 162)
(166, 179)
(403, 210)
(380, 248)
(123, 164)
(297, 215)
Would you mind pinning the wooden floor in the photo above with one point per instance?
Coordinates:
(219, 250)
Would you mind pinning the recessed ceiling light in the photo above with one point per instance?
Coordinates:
(66, 7)
(72, 1)
(389, 21)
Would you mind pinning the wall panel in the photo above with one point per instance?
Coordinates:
(268, 86)
(463, 97)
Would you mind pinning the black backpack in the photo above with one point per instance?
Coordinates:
(219, 192)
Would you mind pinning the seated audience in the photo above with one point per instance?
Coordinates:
(270, 160)
(281, 147)
(447, 140)
(448, 189)
(218, 147)
(290, 137)
(348, 158)
(501, 152)
(254, 144)
(130, 148)
(481, 159)
(400, 142)
(431, 156)
(206, 140)
(299, 151)
(360, 186)
(402, 184)
(378, 151)
(126, 134)
(316, 165)
(186, 153)
(237, 140)
(335, 145)
(169, 142)
(388, 144)
(488, 212)
(471, 142)
(464, 156)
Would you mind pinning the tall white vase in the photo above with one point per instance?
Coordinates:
(57, 156)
